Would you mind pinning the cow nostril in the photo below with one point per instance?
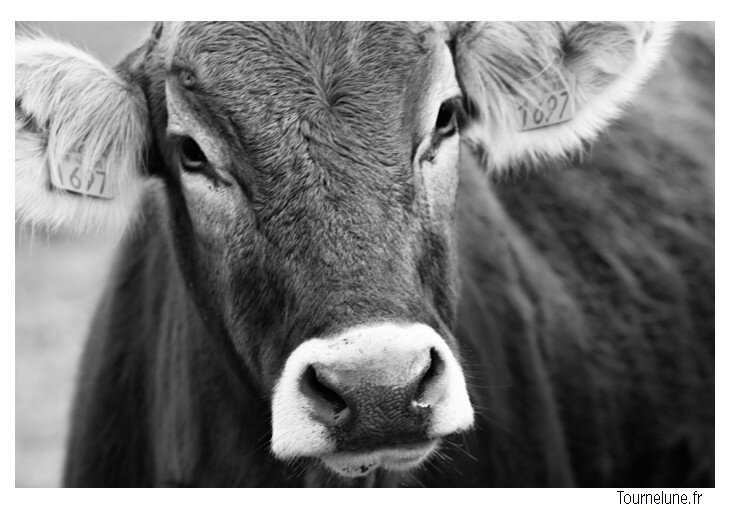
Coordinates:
(328, 405)
(423, 397)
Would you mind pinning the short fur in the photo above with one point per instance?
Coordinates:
(585, 320)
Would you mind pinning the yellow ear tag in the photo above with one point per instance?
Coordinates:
(70, 177)
(555, 106)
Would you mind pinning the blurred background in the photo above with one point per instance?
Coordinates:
(58, 281)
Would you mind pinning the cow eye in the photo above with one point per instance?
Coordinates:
(192, 157)
(446, 121)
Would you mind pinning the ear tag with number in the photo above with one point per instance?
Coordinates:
(69, 177)
(554, 106)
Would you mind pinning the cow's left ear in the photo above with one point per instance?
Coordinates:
(539, 90)
(81, 131)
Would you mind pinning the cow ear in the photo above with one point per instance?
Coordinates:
(539, 90)
(80, 139)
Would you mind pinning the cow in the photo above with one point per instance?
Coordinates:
(387, 254)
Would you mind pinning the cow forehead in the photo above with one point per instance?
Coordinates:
(385, 44)
(357, 72)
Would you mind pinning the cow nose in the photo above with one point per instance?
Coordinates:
(354, 398)
(375, 401)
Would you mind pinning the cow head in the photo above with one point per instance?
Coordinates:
(312, 172)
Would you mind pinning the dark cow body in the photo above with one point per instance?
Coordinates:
(585, 319)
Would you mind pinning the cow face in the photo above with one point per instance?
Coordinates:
(312, 172)
(318, 165)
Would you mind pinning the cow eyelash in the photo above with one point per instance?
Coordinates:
(192, 157)
(447, 120)
(450, 115)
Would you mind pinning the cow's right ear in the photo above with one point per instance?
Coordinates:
(81, 133)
